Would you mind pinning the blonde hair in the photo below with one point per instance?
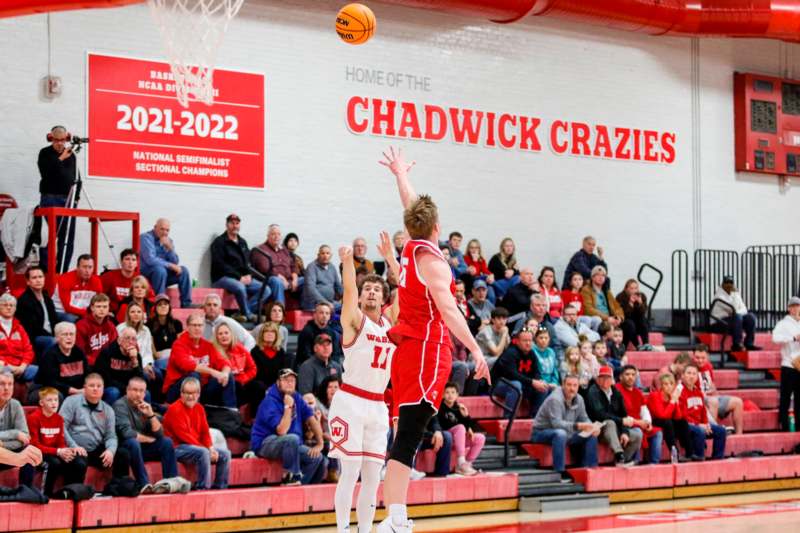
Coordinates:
(221, 349)
(269, 326)
(128, 322)
(509, 261)
(572, 368)
(420, 217)
(140, 279)
(666, 376)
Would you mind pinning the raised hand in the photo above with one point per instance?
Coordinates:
(385, 246)
(345, 253)
(395, 162)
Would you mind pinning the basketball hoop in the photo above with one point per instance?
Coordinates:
(192, 31)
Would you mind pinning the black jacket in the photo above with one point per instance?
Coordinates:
(583, 263)
(600, 409)
(305, 343)
(267, 368)
(62, 372)
(57, 176)
(515, 365)
(229, 259)
(517, 299)
(31, 315)
(117, 368)
(451, 416)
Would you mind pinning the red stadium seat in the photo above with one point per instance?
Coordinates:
(764, 398)
(296, 320)
(198, 295)
(29, 516)
(759, 360)
(650, 360)
(714, 341)
(607, 478)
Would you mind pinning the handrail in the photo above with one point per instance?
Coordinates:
(511, 414)
(260, 277)
(652, 288)
(725, 333)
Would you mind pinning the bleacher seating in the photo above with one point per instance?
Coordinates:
(56, 515)
(763, 360)
(723, 379)
(714, 341)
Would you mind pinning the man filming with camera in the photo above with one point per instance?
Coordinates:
(57, 168)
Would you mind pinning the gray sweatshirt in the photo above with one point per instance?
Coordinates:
(12, 422)
(556, 414)
(86, 427)
(130, 421)
(322, 283)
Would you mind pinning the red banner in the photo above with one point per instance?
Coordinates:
(139, 130)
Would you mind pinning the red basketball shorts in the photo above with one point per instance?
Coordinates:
(420, 370)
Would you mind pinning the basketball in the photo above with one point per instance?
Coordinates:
(355, 23)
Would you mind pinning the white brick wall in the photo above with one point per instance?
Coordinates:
(324, 183)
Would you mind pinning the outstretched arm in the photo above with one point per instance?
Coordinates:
(351, 314)
(395, 162)
(437, 277)
(386, 249)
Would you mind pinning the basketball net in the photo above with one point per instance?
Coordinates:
(192, 31)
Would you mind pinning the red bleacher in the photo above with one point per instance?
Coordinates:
(723, 379)
(714, 341)
(763, 360)
(29, 516)
(650, 360)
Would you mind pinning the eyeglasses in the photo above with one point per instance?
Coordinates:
(189, 393)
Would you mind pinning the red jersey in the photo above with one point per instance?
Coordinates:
(554, 303)
(694, 406)
(47, 432)
(15, 346)
(572, 298)
(185, 357)
(419, 318)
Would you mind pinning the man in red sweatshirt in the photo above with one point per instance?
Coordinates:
(193, 356)
(185, 423)
(95, 331)
(635, 406)
(75, 290)
(694, 408)
(47, 433)
(16, 352)
(117, 283)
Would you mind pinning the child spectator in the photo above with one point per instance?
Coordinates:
(590, 366)
(454, 417)
(546, 358)
(600, 351)
(573, 364)
(571, 295)
(476, 267)
(616, 350)
(719, 405)
(694, 407)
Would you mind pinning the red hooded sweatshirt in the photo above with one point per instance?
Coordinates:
(91, 337)
(693, 405)
(661, 408)
(15, 346)
(186, 355)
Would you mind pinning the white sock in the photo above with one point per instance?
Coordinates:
(399, 514)
(343, 498)
(462, 460)
(368, 494)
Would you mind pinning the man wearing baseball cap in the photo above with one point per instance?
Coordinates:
(605, 404)
(315, 369)
(479, 304)
(787, 334)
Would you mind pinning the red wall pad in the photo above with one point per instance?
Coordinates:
(759, 360)
(544, 454)
(28, 516)
(605, 479)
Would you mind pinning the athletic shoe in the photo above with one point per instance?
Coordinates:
(730, 430)
(566, 478)
(619, 458)
(645, 348)
(147, 489)
(465, 469)
(697, 458)
(753, 348)
(290, 479)
(249, 454)
(416, 475)
(628, 464)
(388, 527)
(238, 317)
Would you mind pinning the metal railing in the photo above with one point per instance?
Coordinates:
(654, 288)
(510, 414)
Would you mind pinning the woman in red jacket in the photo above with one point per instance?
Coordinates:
(665, 408)
(547, 280)
(476, 267)
(243, 369)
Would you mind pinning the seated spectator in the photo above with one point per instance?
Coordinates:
(519, 365)
(319, 325)
(134, 319)
(292, 243)
(165, 330)
(37, 312)
(441, 442)
(675, 368)
(399, 240)
(75, 289)
(568, 329)
(636, 407)
(89, 427)
(322, 281)
(360, 257)
(274, 312)
(561, 422)
(96, 330)
(546, 358)
(230, 269)
(636, 326)
(454, 418)
(590, 365)
(552, 295)
(243, 369)
(517, 298)
(731, 311)
(47, 434)
(269, 358)
(538, 311)
(14, 434)
(63, 366)
(503, 266)
(16, 352)
(314, 370)
(278, 432)
(571, 295)
(140, 432)
(212, 307)
(161, 264)
(142, 295)
(600, 351)
(600, 302)
(277, 264)
(185, 423)
(117, 282)
(573, 364)
(694, 406)
(194, 357)
(719, 405)
(479, 304)
(473, 321)
(617, 348)
(604, 404)
(456, 256)
(665, 407)
(584, 261)
(477, 269)
(494, 340)
(118, 363)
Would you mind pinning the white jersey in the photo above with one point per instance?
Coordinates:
(368, 359)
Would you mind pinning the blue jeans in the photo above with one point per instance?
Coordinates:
(501, 286)
(201, 458)
(294, 456)
(698, 438)
(111, 395)
(160, 277)
(28, 374)
(654, 442)
(511, 393)
(276, 290)
(442, 456)
(212, 392)
(742, 323)
(585, 447)
(42, 343)
(54, 200)
(246, 295)
(160, 450)
(67, 317)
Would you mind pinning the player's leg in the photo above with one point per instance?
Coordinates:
(343, 499)
(368, 495)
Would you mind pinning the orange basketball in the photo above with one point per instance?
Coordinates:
(355, 23)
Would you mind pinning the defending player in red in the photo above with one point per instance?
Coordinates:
(422, 359)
